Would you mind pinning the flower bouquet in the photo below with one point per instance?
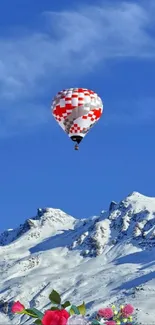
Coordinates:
(69, 314)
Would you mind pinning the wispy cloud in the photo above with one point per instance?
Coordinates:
(69, 44)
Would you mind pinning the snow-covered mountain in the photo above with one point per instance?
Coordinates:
(102, 260)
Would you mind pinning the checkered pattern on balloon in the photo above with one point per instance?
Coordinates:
(76, 110)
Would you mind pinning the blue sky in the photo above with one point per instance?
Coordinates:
(46, 46)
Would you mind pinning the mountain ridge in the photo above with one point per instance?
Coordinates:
(100, 259)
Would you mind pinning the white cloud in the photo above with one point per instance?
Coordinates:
(71, 45)
(15, 118)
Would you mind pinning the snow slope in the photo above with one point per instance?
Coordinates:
(102, 260)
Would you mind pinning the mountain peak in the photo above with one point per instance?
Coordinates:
(47, 221)
(134, 219)
(99, 258)
(52, 215)
(139, 196)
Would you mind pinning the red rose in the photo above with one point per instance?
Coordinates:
(17, 307)
(55, 317)
(107, 313)
(127, 310)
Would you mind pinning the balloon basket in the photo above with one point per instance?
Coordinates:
(76, 147)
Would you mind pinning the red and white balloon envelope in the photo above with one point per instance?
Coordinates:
(77, 110)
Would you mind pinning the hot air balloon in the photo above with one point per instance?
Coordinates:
(76, 110)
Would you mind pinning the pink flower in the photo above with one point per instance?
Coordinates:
(127, 310)
(110, 322)
(55, 317)
(106, 313)
(17, 307)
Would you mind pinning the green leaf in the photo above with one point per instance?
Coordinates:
(74, 310)
(82, 309)
(54, 308)
(30, 313)
(66, 304)
(36, 313)
(55, 297)
(95, 322)
(38, 322)
(71, 311)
